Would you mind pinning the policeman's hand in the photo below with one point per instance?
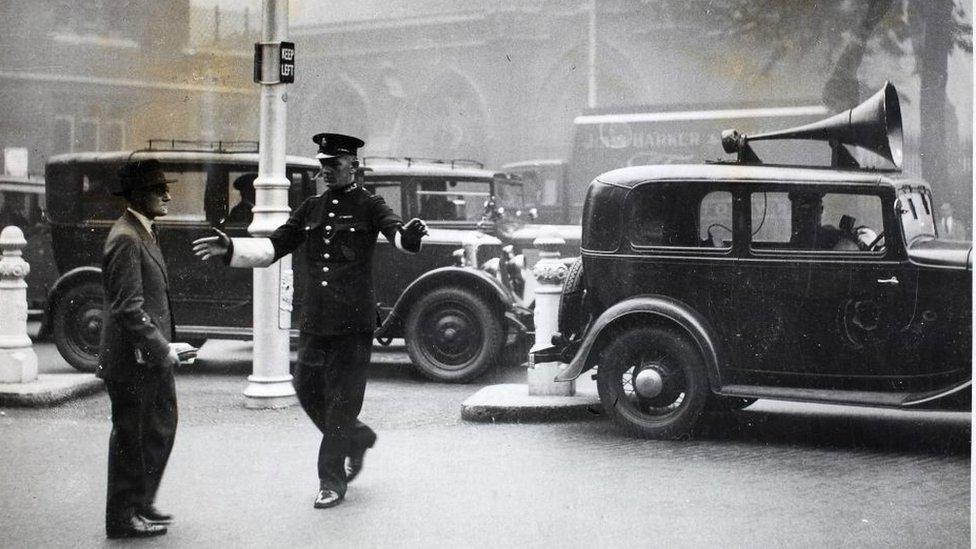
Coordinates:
(211, 246)
(172, 360)
(416, 226)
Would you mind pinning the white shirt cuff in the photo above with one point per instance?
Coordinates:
(252, 252)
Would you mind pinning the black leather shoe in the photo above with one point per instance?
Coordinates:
(327, 498)
(354, 462)
(151, 514)
(134, 527)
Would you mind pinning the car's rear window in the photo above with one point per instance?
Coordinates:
(602, 221)
(680, 214)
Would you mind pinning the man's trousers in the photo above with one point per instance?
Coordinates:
(144, 420)
(330, 381)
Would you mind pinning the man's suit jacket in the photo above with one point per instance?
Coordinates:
(137, 306)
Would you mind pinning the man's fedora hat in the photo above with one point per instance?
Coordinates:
(141, 174)
(332, 145)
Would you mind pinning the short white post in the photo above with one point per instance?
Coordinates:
(550, 273)
(18, 362)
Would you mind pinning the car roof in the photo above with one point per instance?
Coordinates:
(29, 184)
(637, 175)
(203, 157)
(377, 167)
(533, 163)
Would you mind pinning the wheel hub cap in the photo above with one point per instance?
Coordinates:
(648, 383)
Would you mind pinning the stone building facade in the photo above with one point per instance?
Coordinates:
(498, 83)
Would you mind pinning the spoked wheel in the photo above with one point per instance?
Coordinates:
(78, 325)
(453, 335)
(652, 381)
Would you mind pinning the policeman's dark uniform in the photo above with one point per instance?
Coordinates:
(339, 229)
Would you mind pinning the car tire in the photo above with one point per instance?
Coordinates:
(77, 325)
(673, 411)
(572, 318)
(454, 335)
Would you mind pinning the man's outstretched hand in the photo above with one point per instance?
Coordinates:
(415, 227)
(211, 246)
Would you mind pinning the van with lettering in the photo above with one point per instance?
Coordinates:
(606, 139)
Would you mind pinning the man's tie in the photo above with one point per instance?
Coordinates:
(155, 235)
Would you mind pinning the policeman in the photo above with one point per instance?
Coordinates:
(339, 228)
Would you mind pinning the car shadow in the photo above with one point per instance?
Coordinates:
(934, 433)
(823, 427)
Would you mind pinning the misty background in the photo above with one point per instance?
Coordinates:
(498, 81)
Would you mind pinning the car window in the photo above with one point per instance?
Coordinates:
(240, 197)
(771, 219)
(451, 200)
(97, 200)
(390, 191)
(668, 215)
(510, 193)
(187, 194)
(20, 209)
(715, 219)
(813, 220)
(601, 214)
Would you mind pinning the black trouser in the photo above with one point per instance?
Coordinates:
(143, 428)
(330, 380)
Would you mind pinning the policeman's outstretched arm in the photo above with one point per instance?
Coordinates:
(212, 246)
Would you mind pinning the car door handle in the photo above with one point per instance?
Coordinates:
(893, 280)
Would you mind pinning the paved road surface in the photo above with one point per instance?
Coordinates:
(773, 475)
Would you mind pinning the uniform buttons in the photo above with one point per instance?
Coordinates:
(327, 241)
(331, 214)
(328, 227)
(325, 269)
(352, 229)
(326, 256)
(325, 283)
(334, 201)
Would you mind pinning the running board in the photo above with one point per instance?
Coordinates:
(221, 333)
(853, 398)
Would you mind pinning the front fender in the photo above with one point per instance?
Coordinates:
(62, 284)
(655, 309)
(465, 277)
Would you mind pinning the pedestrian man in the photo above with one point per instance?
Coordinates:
(339, 228)
(950, 228)
(136, 359)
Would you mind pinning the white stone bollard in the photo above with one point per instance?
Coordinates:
(18, 362)
(550, 273)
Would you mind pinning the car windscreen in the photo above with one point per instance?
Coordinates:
(510, 194)
(914, 206)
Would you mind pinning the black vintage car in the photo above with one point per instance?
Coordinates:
(22, 204)
(454, 302)
(709, 286)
